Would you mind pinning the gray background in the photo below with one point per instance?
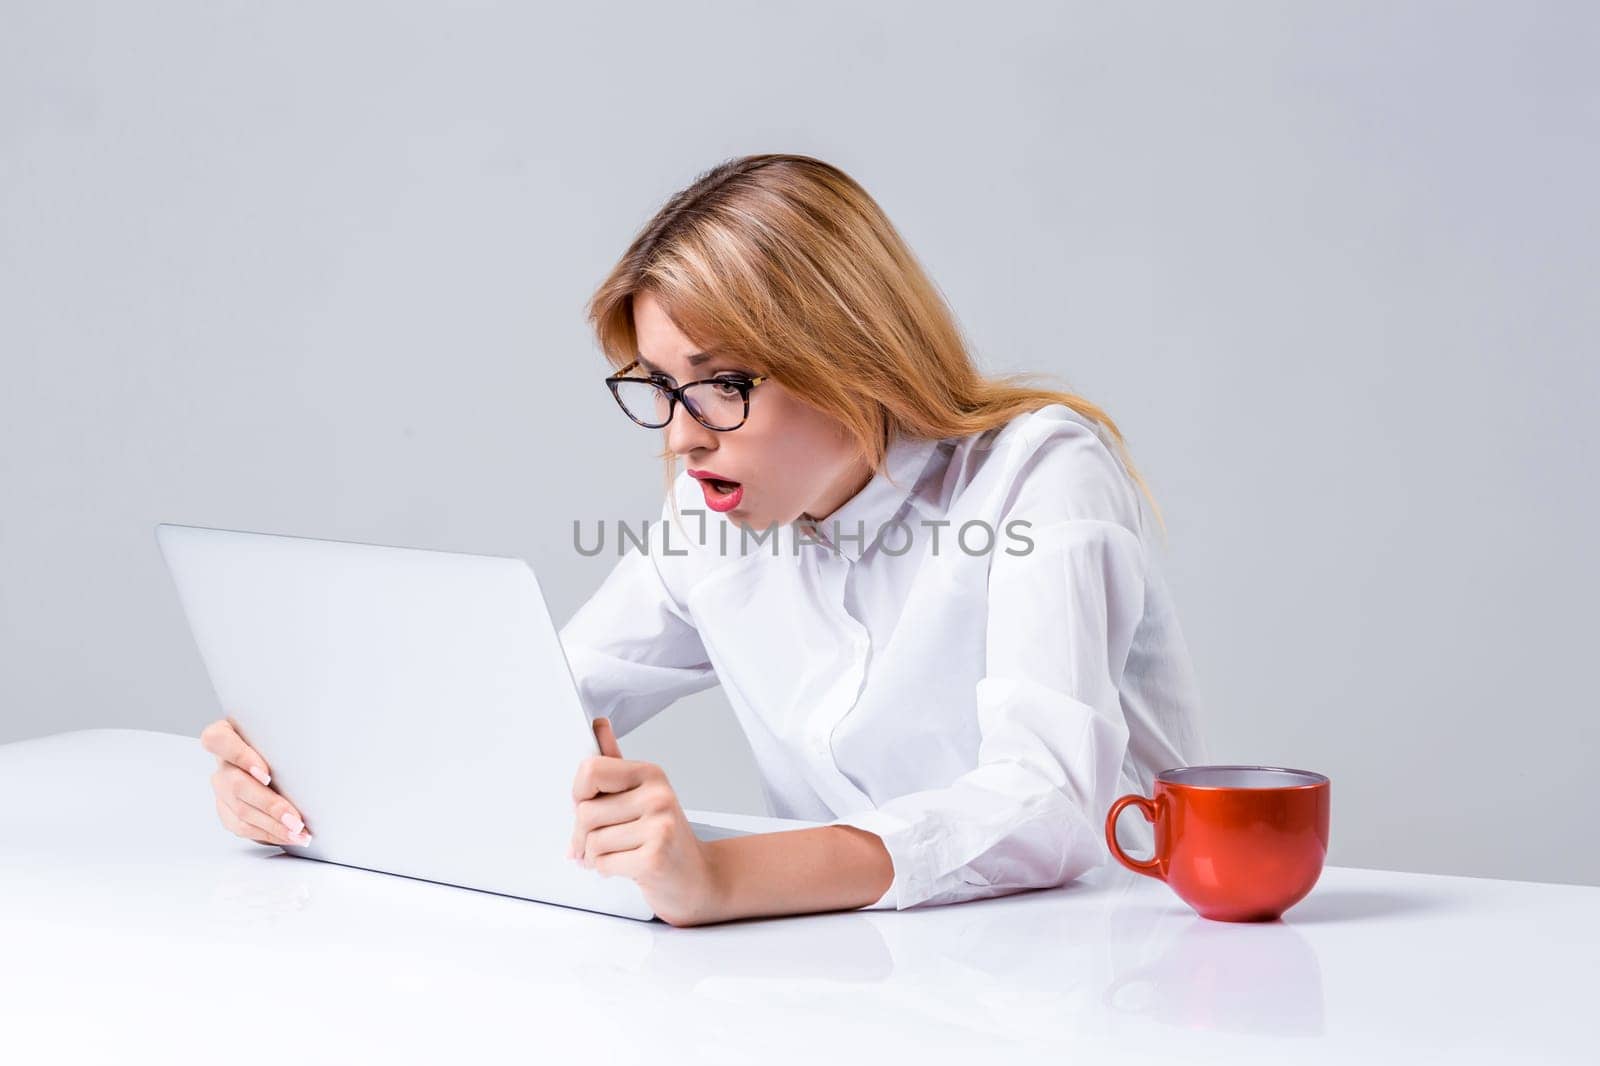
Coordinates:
(320, 269)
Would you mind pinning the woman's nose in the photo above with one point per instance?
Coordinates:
(685, 434)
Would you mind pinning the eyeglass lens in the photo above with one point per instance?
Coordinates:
(718, 405)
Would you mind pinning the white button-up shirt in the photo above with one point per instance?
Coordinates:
(975, 695)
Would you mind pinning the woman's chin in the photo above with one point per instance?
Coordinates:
(744, 518)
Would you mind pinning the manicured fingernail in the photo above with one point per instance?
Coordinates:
(304, 839)
(292, 822)
(260, 775)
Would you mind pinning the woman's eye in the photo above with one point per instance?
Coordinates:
(729, 386)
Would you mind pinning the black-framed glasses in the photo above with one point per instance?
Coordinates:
(721, 403)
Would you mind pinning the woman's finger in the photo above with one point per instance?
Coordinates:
(221, 739)
(263, 824)
(258, 833)
(616, 808)
(246, 794)
(625, 836)
(606, 737)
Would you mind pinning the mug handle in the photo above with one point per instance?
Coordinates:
(1150, 867)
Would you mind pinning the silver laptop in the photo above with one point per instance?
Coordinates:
(415, 705)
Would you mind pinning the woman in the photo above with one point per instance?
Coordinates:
(962, 656)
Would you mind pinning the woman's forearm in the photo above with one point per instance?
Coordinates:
(798, 871)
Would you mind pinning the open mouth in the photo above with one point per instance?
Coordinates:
(721, 495)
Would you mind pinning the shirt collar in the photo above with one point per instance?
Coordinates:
(878, 501)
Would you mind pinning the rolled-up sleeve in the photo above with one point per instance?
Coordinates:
(1053, 736)
(632, 646)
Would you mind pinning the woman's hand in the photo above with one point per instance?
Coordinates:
(245, 804)
(629, 822)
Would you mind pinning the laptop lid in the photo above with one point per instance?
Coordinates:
(416, 705)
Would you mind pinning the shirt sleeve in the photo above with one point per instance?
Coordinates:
(632, 646)
(1052, 733)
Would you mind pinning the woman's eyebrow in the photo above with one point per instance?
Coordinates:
(695, 359)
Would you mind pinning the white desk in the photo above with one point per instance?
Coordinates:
(133, 927)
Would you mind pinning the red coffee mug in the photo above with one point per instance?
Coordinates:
(1236, 843)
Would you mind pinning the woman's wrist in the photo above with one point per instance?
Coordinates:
(721, 895)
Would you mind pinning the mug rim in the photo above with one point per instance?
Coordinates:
(1317, 780)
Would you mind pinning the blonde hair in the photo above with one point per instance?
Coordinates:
(788, 262)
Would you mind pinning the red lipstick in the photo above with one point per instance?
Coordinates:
(722, 494)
